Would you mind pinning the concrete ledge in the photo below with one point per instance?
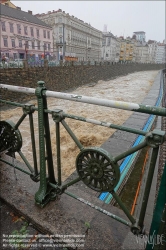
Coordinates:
(65, 215)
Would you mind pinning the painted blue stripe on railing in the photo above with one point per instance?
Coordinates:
(126, 161)
(128, 158)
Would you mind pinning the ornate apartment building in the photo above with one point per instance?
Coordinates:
(23, 35)
(73, 39)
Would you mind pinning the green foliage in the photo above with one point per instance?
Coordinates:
(18, 238)
(87, 224)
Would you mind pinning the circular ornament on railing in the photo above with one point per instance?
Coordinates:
(97, 170)
(10, 138)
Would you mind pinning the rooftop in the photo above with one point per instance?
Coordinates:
(151, 41)
(50, 13)
(21, 15)
(136, 32)
(108, 34)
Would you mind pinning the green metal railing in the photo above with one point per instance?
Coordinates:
(95, 166)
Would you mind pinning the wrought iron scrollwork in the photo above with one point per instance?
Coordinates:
(10, 138)
(97, 169)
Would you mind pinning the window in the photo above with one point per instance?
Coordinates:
(33, 45)
(19, 28)
(13, 42)
(49, 47)
(48, 34)
(11, 27)
(44, 33)
(15, 55)
(60, 39)
(5, 42)
(37, 31)
(32, 34)
(45, 46)
(3, 26)
(26, 45)
(38, 45)
(26, 30)
(60, 29)
(20, 43)
(60, 19)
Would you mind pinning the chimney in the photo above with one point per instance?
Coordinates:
(18, 8)
(30, 12)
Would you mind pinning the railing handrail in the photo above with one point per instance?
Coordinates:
(148, 109)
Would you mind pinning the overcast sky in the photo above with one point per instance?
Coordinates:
(121, 17)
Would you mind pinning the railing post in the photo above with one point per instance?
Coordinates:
(25, 64)
(45, 192)
(45, 63)
(147, 187)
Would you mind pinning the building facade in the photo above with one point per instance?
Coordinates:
(152, 49)
(127, 49)
(110, 47)
(23, 35)
(73, 39)
(130, 49)
(117, 56)
(142, 53)
(161, 53)
(122, 49)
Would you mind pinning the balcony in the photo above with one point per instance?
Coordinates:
(58, 43)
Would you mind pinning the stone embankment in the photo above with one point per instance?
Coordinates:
(63, 78)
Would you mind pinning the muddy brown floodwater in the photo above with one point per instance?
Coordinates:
(130, 88)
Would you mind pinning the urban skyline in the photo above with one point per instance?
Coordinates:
(134, 16)
(57, 35)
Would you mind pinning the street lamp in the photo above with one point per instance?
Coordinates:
(26, 50)
(44, 46)
(87, 50)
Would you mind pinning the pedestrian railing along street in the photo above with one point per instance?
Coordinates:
(20, 63)
(96, 168)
